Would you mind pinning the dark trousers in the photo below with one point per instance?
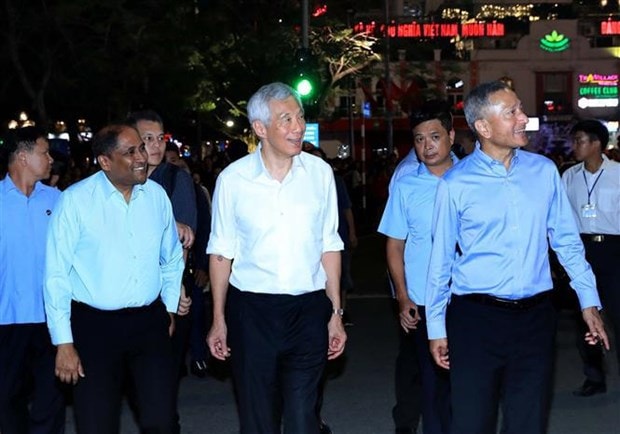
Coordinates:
(407, 383)
(499, 355)
(421, 386)
(278, 355)
(604, 257)
(113, 346)
(31, 399)
(198, 334)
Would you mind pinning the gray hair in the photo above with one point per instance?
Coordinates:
(258, 105)
(477, 102)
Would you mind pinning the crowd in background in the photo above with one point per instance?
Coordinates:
(368, 199)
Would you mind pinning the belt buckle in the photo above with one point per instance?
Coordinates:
(598, 238)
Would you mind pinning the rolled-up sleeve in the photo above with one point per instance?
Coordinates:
(331, 239)
(223, 237)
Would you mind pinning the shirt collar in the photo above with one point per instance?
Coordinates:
(490, 162)
(606, 163)
(423, 170)
(109, 189)
(258, 169)
(9, 185)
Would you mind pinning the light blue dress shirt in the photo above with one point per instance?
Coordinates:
(110, 254)
(407, 165)
(276, 232)
(501, 219)
(23, 230)
(408, 216)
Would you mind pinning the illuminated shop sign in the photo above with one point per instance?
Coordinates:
(598, 90)
(433, 30)
(610, 27)
(597, 103)
(554, 42)
(599, 79)
(312, 134)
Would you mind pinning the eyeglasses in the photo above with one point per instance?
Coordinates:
(149, 138)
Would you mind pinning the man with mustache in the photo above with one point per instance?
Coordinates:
(112, 284)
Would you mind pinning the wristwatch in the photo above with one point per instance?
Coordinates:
(338, 312)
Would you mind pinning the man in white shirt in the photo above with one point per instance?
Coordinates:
(275, 270)
(593, 188)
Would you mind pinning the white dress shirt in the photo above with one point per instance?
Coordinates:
(275, 232)
(604, 187)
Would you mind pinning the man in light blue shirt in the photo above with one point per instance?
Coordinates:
(407, 223)
(500, 208)
(409, 164)
(26, 352)
(112, 283)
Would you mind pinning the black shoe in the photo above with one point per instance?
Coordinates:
(590, 388)
(198, 368)
(324, 428)
(405, 431)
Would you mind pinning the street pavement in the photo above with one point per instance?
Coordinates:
(360, 390)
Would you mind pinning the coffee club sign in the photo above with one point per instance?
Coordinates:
(598, 90)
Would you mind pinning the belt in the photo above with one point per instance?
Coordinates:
(599, 238)
(78, 305)
(505, 303)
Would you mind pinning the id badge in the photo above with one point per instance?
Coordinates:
(588, 211)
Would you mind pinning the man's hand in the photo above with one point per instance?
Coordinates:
(186, 235)
(439, 351)
(337, 337)
(596, 328)
(408, 314)
(216, 340)
(184, 303)
(68, 365)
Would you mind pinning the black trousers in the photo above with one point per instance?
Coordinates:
(422, 387)
(500, 356)
(31, 399)
(278, 355)
(117, 345)
(604, 257)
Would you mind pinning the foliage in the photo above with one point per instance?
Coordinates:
(196, 62)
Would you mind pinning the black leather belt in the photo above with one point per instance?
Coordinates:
(126, 310)
(505, 303)
(599, 238)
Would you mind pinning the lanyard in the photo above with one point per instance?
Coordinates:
(593, 185)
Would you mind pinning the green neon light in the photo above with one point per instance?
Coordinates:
(554, 42)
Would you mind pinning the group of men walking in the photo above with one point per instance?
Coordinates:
(92, 294)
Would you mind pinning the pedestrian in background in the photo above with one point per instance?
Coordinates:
(490, 318)
(26, 352)
(275, 270)
(593, 187)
